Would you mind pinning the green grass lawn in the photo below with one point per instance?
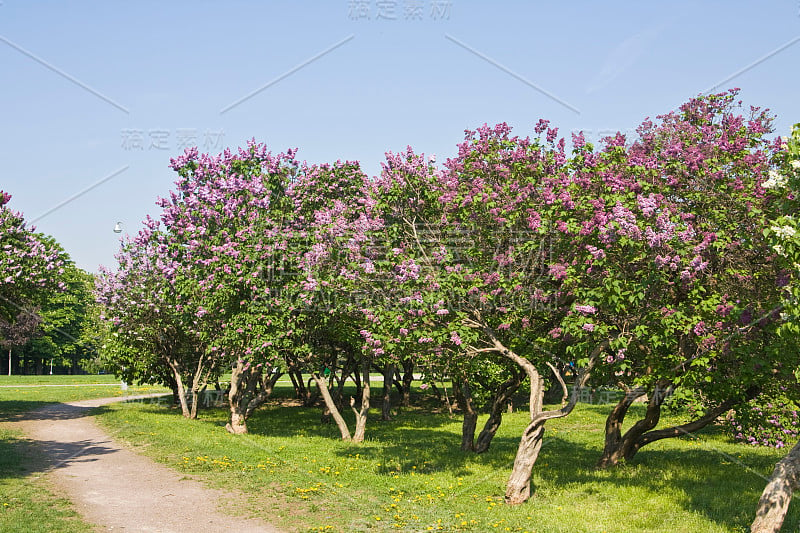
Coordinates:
(19, 394)
(27, 502)
(411, 476)
(85, 379)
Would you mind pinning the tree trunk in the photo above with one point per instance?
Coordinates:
(464, 395)
(237, 424)
(501, 399)
(361, 414)
(778, 493)
(518, 488)
(683, 429)
(182, 395)
(613, 437)
(250, 388)
(624, 448)
(193, 406)
(618, 447)
(322, 385)
(179, 386)
(244, 380)
(9, 361)
(388, 379)
(408, 378)
(200, 379)
(641, 434)
(300, 391)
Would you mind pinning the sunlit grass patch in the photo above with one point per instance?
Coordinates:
(27, 502)
(410, 475)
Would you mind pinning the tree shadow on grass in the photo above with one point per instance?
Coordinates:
(20, 457)
(703, 477)
(291, 421)
(427, 451)
(412, 441)
(43, 411)
(14, 410)
(708, 481)
(18, 410)
(697, 479)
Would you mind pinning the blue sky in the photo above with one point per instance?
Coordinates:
(97, 96)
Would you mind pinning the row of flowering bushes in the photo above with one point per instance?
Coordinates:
(648, 263)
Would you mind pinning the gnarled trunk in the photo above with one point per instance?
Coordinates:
(463, 394)
(250, 388)
(518, 488)
(363, 411)
(330, 404)
(501, 400)
(388, 379)
(620, 447)
(408, 378)
(613, 437)
(778, 493)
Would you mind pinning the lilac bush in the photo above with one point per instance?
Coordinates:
(775, 424)
(649, 263)
(675, 265)
(195, 286)
(30, 267)
(771, 420)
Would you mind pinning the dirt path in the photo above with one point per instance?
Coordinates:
(117, 489)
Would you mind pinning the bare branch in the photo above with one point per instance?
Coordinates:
(560, 380)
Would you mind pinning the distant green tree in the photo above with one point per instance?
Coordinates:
(18, 331)
(62, 315)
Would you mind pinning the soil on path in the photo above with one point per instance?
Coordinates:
(117, 489)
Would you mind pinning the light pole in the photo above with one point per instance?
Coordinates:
(123, 384)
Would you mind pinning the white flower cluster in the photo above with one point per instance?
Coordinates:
(774, 181)
(784, 232)
(795, 164)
